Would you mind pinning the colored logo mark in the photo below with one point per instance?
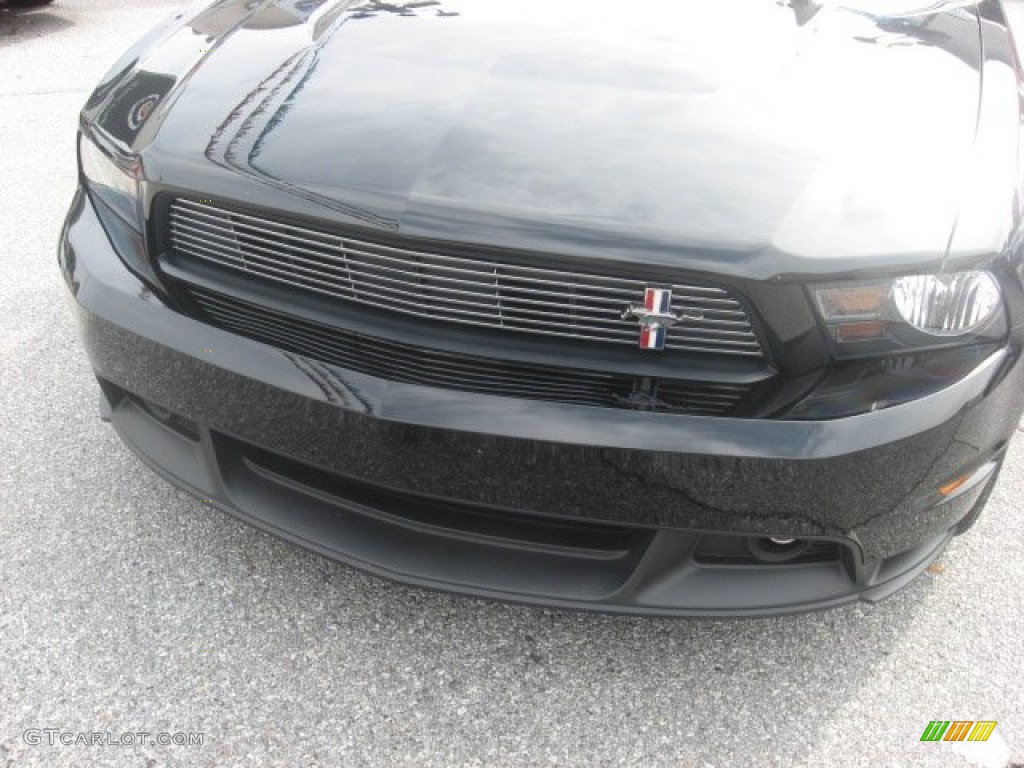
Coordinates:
(958, 730)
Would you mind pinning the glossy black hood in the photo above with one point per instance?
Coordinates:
(750, 138)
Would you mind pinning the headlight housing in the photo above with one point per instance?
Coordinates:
(900, 339)
(911, 312)
(113, 177)
(862, 386)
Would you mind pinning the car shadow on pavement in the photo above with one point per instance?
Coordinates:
(20, 23)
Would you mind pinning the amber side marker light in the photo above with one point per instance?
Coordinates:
(950, 488)
(965, 483)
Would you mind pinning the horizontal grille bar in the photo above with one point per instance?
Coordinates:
(484, 292)
(411, 364)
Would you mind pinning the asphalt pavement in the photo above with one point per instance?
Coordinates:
(126, 606)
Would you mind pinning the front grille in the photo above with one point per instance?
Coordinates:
(488, 291)
(411, 364)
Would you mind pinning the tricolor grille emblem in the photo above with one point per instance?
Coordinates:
(656, 317)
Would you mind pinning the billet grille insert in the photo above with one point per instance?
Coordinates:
(487, 291)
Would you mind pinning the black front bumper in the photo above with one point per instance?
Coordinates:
(549, 503)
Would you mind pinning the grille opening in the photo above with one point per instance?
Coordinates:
(598, 540)
(114, 394)
(183, 426)
(411, 364)
(446, 282)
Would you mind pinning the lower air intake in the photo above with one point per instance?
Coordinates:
(411, 364)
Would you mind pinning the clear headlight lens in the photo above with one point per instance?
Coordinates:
(915, 311)
(115, 180)
(947, 305)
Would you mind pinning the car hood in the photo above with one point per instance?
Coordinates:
(750, 137)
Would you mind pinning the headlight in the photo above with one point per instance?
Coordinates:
(113, 178)
(947, 305)
(911, 312)
(901, 339)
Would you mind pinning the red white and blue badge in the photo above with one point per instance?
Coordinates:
(653, 337)
(655, 317)
(657, 301)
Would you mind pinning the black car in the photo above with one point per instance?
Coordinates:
(674, 308)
